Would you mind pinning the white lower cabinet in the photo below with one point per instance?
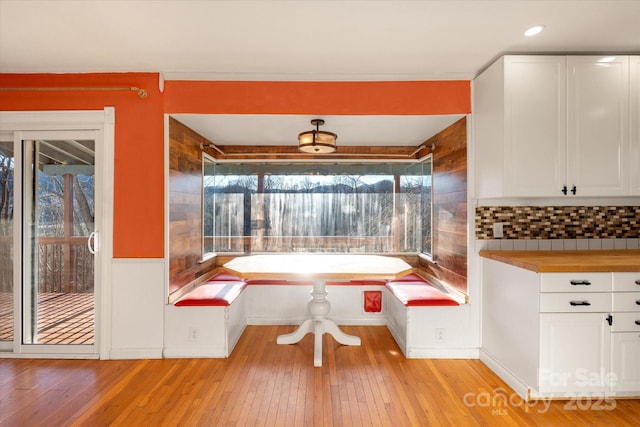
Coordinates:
(562, 334)
(625, 361)
(574, 353)
(625, 337)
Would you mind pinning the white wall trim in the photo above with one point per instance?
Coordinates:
(138, 353)
(506, 375)
(99, 125)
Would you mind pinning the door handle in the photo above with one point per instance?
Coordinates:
(576, 303)
(92, 242)
(580, 282)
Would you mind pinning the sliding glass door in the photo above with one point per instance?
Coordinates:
(7, 170)
(58, 216)
(54, 204)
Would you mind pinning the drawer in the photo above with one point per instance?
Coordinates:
(626, 301)
(626, 322)
(575, 302)
(576, 282)
(626, 281)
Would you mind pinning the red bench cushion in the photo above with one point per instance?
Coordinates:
(419, 294)
(212, 293)
(354, 282)
(291, 282)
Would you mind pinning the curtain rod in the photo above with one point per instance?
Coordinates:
(142, 93)
(383, 156)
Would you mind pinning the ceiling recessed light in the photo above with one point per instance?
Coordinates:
(534, 30)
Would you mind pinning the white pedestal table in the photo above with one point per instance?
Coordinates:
(319, 269)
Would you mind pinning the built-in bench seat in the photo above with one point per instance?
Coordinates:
(208, 321)
(413, 312)
(213, 294)
(419, 294)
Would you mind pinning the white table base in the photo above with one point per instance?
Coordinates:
(318, 324)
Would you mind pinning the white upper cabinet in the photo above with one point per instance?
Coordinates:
(598, 125)
(553, 126)
(634, 128)
(534, 125)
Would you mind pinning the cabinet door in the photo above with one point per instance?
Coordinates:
(574, 353)
(598, 125)
(634, 117)
(625, 361)
(535, 131)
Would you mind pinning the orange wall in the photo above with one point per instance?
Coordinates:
(139, 141)
(139, 138)
(348, 98)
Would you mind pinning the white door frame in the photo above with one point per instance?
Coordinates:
(26, 124)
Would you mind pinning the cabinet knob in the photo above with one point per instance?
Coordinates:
(638, 322)
(609, 320)
(638, 302)
(638, 282)
(564, 190)
(580, 282)
(573, 190)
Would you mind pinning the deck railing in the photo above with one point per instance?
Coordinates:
(327, 244)
(65, 265)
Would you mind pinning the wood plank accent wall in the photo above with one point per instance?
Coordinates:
(185, 209)
(449, 171)
(449, 208)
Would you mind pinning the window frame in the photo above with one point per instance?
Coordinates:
(210, 160)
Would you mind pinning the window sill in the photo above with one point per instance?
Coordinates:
(206, 257)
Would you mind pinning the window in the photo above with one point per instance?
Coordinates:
(320, 208)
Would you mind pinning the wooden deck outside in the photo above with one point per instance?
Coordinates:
(63, 318)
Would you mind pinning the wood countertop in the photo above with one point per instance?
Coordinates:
(569, 261)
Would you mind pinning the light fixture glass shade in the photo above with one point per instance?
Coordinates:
(317, 141)
(325, 142)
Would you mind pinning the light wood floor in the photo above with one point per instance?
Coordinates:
(263, 383)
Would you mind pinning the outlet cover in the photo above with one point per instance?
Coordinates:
(498, 230)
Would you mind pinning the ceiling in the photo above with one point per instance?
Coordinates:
(305, 40)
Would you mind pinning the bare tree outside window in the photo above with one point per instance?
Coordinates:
(325, 210)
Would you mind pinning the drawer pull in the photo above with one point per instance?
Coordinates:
(575, 303)
(580, 282)
(609, 319)
(637, 282)
(638, 302)
(638, 322)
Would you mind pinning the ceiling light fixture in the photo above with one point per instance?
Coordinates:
(534, 30)
(317, 141)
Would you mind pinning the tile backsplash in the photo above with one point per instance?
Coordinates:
(560, 223)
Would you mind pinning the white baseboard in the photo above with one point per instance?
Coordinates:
(195, 352)
(269, 321)
(8, 355)
(512, 381)
(355, 321)
(443, 353)
(139, 353)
